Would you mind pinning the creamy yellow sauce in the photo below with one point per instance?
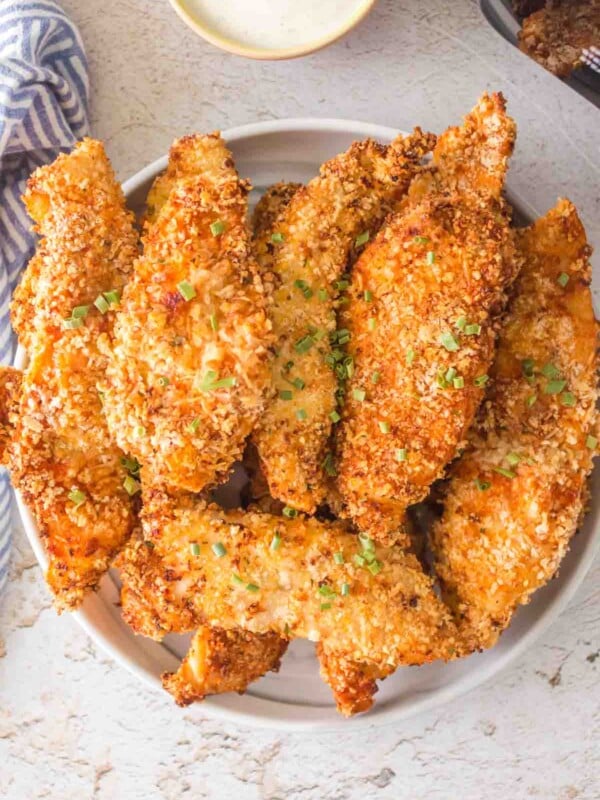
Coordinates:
(275, 24)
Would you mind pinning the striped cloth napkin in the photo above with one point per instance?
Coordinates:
(43, 110)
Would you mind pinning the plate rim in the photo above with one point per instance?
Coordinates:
(275, 714)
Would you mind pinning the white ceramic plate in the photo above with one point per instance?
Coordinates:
(296, 698)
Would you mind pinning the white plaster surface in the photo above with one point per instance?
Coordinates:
(72, 724)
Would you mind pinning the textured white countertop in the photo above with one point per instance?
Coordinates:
(73, 725)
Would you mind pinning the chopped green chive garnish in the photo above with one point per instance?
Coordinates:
(131, 464)
(554, 387)
(366, 542)
(473, 330)
(193, 425)
(527, 365)
(334, 416)
(186, 290)
(252, 587)
(217, 227)
(322, 295)
(359, 394)
(363, 238)
(304, 344)
(101, 304)
(430, 257)
(374, 567)
(79, 312)
(304, 288)
(450, 374)
(288, 512)
(507, 473)
(214, 322)
(421, 239)
(461, 323)
(338, 558)
(368, 295)
(568, 399)
(113, 296)
(195, 549)
(375, 377)
(359, 560)
(513, 459)
(163, 381)
(563, 279)
(285, 394)
(550, 371)
(277, 237)
(77, 496)
(329, 466)
(481, 380)
(400, 454)
(372, 324)
(131, 486)
(218, 549)
(299, 383)
(140, 430)
(482, 485)
(384, 427)
(275, 542)
(237, 579)
(287, 366)
(326, 591)
(448, 341)
(410, 356)
(345, 591)
(591, 442)
(531, 400)
(325, 606)
(209, 382)
(458, 382)
(301, 414)
(342, 285)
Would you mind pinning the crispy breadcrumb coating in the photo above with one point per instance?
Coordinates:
(199, 565)
(515, 497)
(10, 398)
(270, 206)
(61, 458)
(353, 683)
(223, 661)
(307, 251)
(424, 298)
(189, 367)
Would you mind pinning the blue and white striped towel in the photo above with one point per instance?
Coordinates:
(43, 110)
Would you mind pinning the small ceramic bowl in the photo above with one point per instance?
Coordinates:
(201, 23)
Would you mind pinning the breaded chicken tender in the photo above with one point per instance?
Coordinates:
(200, 565)
(189, 365)
(307, 251)
(270, 206)
(420, 327)
(223, 661)
(10, 398)
(516, 496)
(61, 458)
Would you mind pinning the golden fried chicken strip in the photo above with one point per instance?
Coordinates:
(223, 661)
(61, 457)
(353, 683)
(270, 206)
(200, 565)
(516, 495)
(424, 297)
(10, 398)
(189, 367)
(307, 251)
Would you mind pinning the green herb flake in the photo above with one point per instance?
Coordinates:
(72, 323)
(359, 395)
(374, 567)
(554, 387)
(278, 238)
(162, 381)
(448, 341)
(591, 442)
(192, 427)
(372, 324)
(483, 486)
(214, 322)
(288, 512)
(299, 383)
(131, 486)
(550, 371)
(410, 356)
(195, 548)
(562, 279)
(102, 304)
(481, 380)
(401, 454)
(458, 382)
(304, 344)
(461, 323)
(528, 366)
(113, 297)
(217, 228)
(345, 590)
(531, 400)
(375, 377)
(322, 295)
(218, 549)
(325, 606)
(338, 558)
(326, 591)
(384, 426)
(473, 330)
(430, 257)
(421, 239)
(513, 459)
(285, 394)
(363, 238)
(186, 290)
(329, 465)
(252, 587)
(506, 473)
(334, 416)
(568, 399)
(77, 497)
(368, 295)
(237, 579)
(275, 542)
(301, 414)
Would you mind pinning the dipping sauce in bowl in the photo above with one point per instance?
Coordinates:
(272, 29)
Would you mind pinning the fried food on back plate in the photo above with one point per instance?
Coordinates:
(61, 457)
(200, 565)
(424, 298)
(223, 661)
(189, 367)
(307, 250)
(517, 494)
